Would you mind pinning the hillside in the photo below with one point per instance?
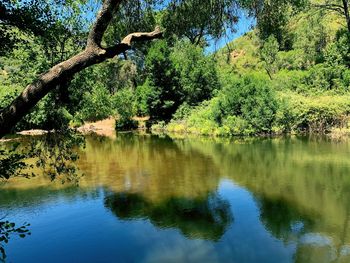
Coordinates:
(302, 88)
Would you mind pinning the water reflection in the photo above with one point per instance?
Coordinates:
(52, 155)
(205, 218)
(157, 168)
(299, 194)
(284, 220)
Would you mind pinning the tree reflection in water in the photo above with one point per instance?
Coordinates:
(283, 220)
(54, 155)
(206, 218)
(300, 186)
(287, 223)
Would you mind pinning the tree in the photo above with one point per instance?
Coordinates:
(269, 55)
(61, 73)
(161, 91)
(197, 72)
(33, 17)
(339, 6)
(120, 18)
(272, 17)
(198, 19)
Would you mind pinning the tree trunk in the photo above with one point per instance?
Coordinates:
(347, 14)
(34, 92)
(64, 71)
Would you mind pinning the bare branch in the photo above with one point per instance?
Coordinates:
(332, 7)
(142, 36)
(129, 39)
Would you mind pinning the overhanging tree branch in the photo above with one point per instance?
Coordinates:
(103, 19)
(126, 43)
(93, 54)
(331, 7)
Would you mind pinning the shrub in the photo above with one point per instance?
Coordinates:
(293, 80)
(205, 117)
(245, 107)
(237, 126)
(182, 112)
(7, 94)
(123, 102)
(125, 124)
(251, 99)
(312, 114)
(96, 105)
(160, 126)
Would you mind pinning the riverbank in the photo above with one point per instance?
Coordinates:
(106, 127)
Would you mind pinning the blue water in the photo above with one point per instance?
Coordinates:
(246, 216)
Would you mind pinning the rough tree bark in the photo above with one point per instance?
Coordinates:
(94, 53)
(346, 13)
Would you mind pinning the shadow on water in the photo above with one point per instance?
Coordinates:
(205, 219)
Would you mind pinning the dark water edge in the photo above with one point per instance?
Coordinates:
(149, 198)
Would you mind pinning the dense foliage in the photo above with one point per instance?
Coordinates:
(291, 75)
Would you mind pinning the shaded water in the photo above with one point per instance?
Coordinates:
(156, 199)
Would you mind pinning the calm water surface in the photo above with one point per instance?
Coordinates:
(156, 199)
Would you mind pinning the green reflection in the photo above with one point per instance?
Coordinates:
(196, 218)
(283, 220)
(301, 186)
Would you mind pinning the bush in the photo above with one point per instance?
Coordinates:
(7, 95)
(237, 126)
(160, 126)
(293, 80)
(206, 117)
(251, 99)
(96, 105)
(125, 124)
(123, 102)
(291, 60)
(245, 107)
(147, 99)
(182, 112)
(312, 114)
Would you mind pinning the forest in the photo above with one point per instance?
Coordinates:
(288, 74)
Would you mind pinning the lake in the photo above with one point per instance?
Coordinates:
(154, 198)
